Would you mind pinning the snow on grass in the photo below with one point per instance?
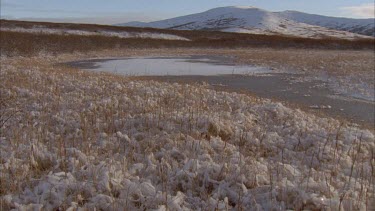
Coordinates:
(144, 35)
(79, 139)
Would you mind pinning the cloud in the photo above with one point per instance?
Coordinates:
(362, 11)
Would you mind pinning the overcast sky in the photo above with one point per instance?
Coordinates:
(120, 11)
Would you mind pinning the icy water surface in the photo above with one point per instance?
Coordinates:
(171, 66)
(221, 72)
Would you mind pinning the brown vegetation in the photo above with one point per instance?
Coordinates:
(26, 44)
(83, 125)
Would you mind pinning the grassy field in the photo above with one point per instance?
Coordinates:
(73, 139)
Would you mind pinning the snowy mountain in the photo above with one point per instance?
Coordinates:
(254, 20)
(359, 26)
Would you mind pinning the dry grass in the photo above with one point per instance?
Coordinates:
(68, 114)
(16, 43)
(26, 44)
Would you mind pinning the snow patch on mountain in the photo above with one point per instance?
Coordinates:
(245, 19)
(360, 26)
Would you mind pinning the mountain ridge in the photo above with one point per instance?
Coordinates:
(339, 23)
(247, 19)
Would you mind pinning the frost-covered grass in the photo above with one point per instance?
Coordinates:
(78, 139)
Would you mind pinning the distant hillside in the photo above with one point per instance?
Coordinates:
(359, 26)
(258, 21)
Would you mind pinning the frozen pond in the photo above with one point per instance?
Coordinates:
(221, 72)
(171, 66)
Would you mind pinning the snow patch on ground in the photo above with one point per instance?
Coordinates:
(143, 35)
(352, 86)
(301, 30)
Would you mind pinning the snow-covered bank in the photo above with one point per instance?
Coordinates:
(144, 35)
(85, 140)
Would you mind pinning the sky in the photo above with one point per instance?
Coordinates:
(121, 11)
